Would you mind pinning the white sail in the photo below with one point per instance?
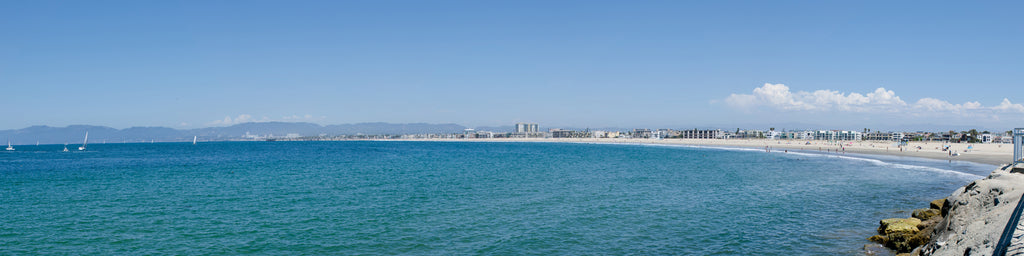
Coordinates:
(84, 142)
(194, 139)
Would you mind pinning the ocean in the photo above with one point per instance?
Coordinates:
(455, 198)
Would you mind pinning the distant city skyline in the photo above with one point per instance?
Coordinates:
(194, 64)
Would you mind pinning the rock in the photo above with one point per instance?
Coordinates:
(938, 203)
(929, 223)
(887, 226)
(878, 239)
(926, 214)
(900, 242)
(885, 223)
(908, 225)
(903, 235)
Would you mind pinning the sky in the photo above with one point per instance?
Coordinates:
(657, 64)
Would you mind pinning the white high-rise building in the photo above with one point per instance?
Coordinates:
(527, 128)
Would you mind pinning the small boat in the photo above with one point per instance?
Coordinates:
(65, 147)
(9, 147)
(194, 139)
(85, 142)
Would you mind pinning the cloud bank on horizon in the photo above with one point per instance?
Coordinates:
(780, 97)
(247, 118)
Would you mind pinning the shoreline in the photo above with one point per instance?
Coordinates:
(991, 154)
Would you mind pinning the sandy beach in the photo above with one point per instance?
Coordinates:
(994, 154)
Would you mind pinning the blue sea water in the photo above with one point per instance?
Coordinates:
(443, 198)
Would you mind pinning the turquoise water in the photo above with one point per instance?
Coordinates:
(443, 198)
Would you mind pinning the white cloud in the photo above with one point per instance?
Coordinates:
(306, 117)
(1006, 105)
(937, 105)
(779, 96)
(246, 118)
(243, 118)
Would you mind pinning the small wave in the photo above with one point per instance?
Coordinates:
(847, 157)
(912, 167)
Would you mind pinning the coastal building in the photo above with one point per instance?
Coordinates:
(527, 128)
(668, 133)
(701, 134)
(880, 136)
(1004, 139)
(898, 136)
(559, 133)
(748, 134)
(805, 135)
(835, 135)
(986, 138)
(642, 133)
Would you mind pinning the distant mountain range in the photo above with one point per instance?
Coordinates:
(74, 134)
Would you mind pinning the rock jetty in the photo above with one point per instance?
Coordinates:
(968, 222)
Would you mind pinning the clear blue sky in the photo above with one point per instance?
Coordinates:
(673, 64)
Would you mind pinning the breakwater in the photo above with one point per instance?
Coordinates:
(969, 222)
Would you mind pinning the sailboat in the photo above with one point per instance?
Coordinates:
(65, 147)
(194, 139)
(85, 142)
(9, 147)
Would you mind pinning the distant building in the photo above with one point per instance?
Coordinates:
(748, 134)
(898, 136)
(1004, 139)
(701, 134)
(484, 135)
(559, 133)
(527, 128)
(838, 135)
(880, 136)
(667, 133)
(642, 133)
(986, 138)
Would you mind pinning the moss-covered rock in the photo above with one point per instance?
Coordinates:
(878, 239)
(883, 224)
(938, 203)
(925, 214)
(903, 235)
(890, 226)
